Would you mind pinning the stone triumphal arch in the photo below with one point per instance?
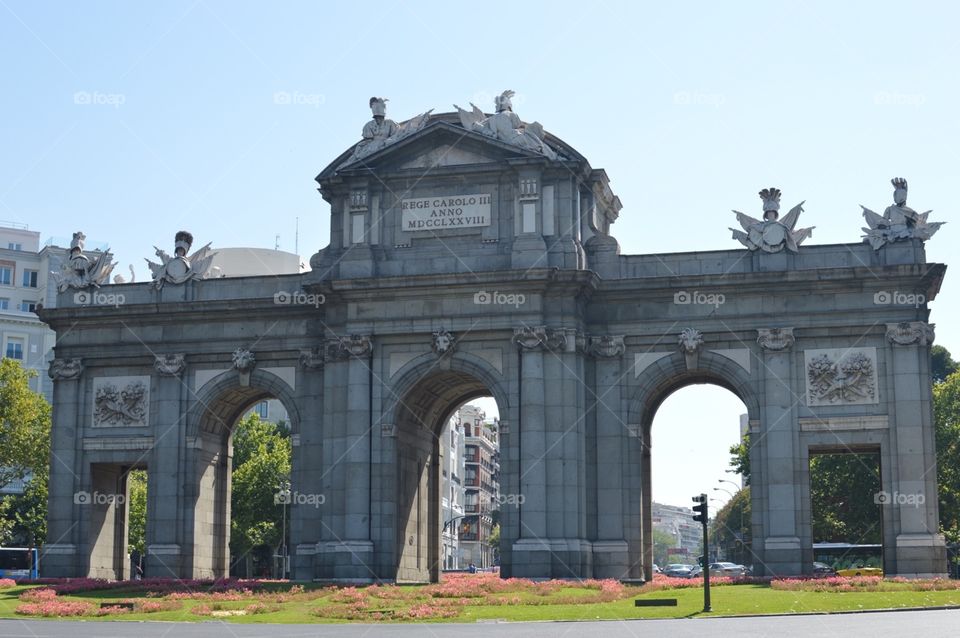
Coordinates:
(470, 255)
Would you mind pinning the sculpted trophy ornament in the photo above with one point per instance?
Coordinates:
(381, 131)
(898, 222)
(180, 268)
(78, 271)
(772, 235)
(506, 126)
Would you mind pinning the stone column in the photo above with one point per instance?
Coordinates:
(165, 496)
(346, 551)
(531, 552)
(920, 549)
(777, 451)
(610, 556)
(307, 467)
(63, 554)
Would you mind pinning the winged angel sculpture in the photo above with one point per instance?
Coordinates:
(772, 235)
(180, 268)
(78, 271)
(899, 222)
(506, 126)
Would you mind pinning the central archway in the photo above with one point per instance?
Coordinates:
(654, 387)
(425, 398)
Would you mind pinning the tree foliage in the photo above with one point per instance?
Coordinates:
(946, 413)
(24, 454)
(942, 364)
(663, 542)
(730, 528)
(740, 458)
(261, 461)
(843, 489)
(137, 526)
(24, 424)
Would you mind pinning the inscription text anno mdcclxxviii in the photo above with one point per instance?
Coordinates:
(440, 213)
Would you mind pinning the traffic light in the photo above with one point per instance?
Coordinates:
(701, 508)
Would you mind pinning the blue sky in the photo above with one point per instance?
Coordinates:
(130, 121)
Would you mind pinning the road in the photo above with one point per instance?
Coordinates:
(928, 624)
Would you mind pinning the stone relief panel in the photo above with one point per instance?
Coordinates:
(121, 401)
(841, 376)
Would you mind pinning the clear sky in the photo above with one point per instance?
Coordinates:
(130, 121)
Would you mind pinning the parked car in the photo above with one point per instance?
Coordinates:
(678, 570)
(696, 572)
(656, 569)
(860, 571)
(822, 569)
(727, 569)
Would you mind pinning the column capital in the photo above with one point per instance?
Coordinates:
(606, 346)
(775, 339)
(312, 358)
(65, 369)
(170, 365)
(543, 338)
(342, 348)
(909, 333)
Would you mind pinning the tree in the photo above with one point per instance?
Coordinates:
(24, 424)
(942, 364)
(261, 461)
(663, 542)
(24, 454)
(740, 458)
(137, 493)
(730, 528)
(843, 489)
(946, 416)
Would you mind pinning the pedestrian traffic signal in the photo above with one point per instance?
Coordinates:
(701, 508)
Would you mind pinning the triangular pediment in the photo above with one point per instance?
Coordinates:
(439, 144)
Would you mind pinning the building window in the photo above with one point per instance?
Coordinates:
(263, 409)
(15, 349)
(29, 278)
(28, 306)
(6, 275)
(4, 303)
(14, 246)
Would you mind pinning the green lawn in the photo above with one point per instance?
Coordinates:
(728, 600)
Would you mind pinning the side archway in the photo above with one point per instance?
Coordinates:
(653, 386)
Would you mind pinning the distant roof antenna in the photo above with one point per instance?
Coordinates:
(276, 243)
